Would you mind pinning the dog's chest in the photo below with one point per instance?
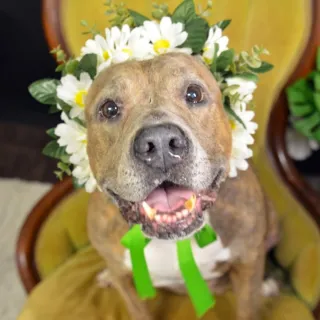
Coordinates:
(161, 257)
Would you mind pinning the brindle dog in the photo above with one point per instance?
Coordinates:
(159, 144)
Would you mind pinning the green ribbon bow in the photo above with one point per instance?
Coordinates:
(199, 293)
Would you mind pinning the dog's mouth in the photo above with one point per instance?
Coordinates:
(170, 211)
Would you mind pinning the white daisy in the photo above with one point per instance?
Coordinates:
(245, 90)
(166, 36)
(73, 136)
(129, 44)
(241, 138)
(214, 37)
(73, 92)
(102, 47)
(82, 172)
(118, 45)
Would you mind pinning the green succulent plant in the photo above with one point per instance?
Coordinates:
(304, 103)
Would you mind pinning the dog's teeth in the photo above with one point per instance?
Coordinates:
(165, 218)
(185, 212)
(174, 219)
(169, 219)
(179, 215)
(190, 203)
(150, 212)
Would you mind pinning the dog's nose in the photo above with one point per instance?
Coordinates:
(161, 146)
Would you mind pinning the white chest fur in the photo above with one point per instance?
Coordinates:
(161, 257)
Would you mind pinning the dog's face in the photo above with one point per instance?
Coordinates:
(159, 141)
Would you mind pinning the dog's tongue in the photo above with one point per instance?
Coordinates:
(169, 199)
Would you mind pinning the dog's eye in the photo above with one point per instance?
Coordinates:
(194, 94)
(109, 110)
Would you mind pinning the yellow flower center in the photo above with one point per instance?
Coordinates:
(207, 60)
(106, 55)
(79, 98)
(128, 51)
(84, 141)
(233, 124)
(161, 46)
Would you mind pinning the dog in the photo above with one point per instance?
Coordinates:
(158, 137)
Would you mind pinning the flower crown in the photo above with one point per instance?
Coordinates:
(135, 37)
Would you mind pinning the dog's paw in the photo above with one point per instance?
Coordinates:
(104, 279)
(270, 288)
(220, 285)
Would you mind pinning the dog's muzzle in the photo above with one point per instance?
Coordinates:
(161, 146)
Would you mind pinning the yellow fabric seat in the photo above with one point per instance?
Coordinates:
(68, 266)
(65, 260)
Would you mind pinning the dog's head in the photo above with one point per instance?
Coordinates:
(159, 141)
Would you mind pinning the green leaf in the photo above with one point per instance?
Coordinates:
(248, 76)
(64, 106)
(296, 97)
(84, 23)
(231, 88)
(213, 66)
(65, 168)
(53, 109)
(50, 132)
(44, 91)
(71, 66)
(58, 174)
(185, 12)
(88, 64)
(197, 30)
(316, 80)
(316, 134)
(224, 60)
(231, 112)
(301, 110)
(316, 96)
(60, 67)
(318, 59)
(299, 93)
(138, 18)
(306, 125)
(223, 24)
(60, 56)
(53, 150)
(312, 75)
(303, 87)
(265, 67)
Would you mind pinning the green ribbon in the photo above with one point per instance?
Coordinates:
(197, 288)
(199, 293)
(135, 241)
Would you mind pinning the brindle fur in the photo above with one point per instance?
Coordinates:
(149, 92)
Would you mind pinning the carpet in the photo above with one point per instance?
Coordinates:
(17, 197)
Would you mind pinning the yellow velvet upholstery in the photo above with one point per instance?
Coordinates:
(63, 234)
(68, 290)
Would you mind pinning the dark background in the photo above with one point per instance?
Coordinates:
(24, 58)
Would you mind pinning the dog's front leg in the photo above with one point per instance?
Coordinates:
(136, 307)
(247, 278)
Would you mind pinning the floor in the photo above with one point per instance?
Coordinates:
(21, 158)
(17, 197)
